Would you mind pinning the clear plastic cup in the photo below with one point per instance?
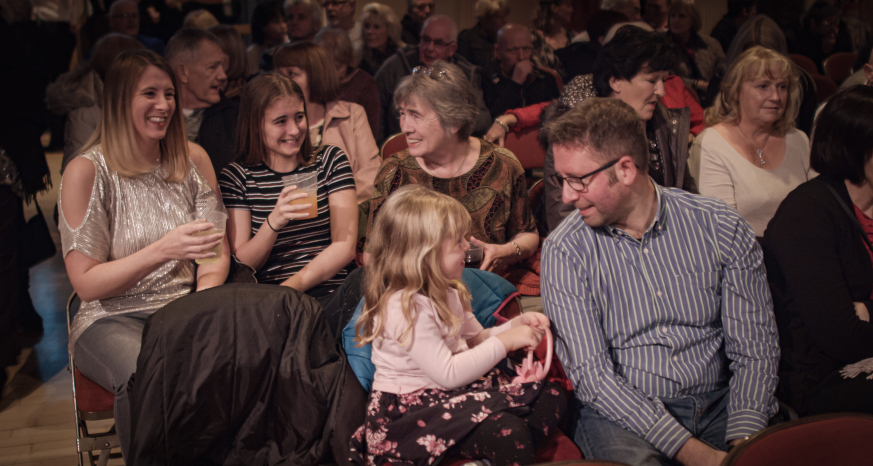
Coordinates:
(306, 183)
(473, 256)
(219, 222)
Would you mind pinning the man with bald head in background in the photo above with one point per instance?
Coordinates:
(210, 118)
(512, 80)
(124, 19)
(439, 41)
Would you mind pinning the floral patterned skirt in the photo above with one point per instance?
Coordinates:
(418, 427)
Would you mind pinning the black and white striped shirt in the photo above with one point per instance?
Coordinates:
(256, 188)
(684, 311)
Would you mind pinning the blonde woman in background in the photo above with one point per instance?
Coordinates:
(752, 156)
(381, 36)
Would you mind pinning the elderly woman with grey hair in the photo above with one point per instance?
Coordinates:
(438, 111)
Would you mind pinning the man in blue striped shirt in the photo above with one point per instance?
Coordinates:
(660, 299)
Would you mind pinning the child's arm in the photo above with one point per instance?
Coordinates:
(537, 320)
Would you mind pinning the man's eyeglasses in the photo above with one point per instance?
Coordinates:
(425, 40)
(578, 183)
(428, 71)
(334, 3)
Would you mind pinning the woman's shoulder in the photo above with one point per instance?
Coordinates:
(796, 136)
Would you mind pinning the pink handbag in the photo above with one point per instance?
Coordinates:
(534, 371)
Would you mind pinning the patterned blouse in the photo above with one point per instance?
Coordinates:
(494, 191)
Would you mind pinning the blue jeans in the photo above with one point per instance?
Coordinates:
(106, 353)
(705, 416)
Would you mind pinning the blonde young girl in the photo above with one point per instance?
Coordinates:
(435, 389)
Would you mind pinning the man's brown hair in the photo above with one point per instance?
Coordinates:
(609, 127)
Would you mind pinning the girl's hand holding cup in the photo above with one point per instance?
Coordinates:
(183, 243)
(284, 211)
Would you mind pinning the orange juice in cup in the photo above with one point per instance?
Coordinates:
(218, 221)
(306, 183)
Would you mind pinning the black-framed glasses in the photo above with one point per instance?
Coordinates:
(578, 183)
(428, 70)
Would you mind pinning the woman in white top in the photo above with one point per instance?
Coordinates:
(751, 156)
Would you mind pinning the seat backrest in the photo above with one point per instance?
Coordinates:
(817, 440)
(526, 147)
(824, 87)
(839, 66)
(393, 145)
(805, 62)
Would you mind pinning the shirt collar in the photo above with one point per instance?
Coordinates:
(659, 222)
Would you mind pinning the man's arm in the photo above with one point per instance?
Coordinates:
(751, 338)
(577, 318)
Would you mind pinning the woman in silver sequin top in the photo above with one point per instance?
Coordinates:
(124, 204)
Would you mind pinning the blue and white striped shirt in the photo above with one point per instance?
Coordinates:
(684, 311)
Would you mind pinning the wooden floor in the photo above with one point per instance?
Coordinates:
(37, 424)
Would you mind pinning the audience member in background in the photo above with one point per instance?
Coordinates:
(439, 41)
(303, 19)
(477, 43)
(512, 80)
(268, 30)
(821, 35)
(864, 67)
(739, 11)
(128, 243)
(235, 53)
(751, 156)
(699, 55)
(656, 14)
(633, 68)
(552, 32)
(763, 31)
(341, 14)
(78, 94)
(818, 264)
(196, 57)
(381, 31)
(124, 19)
(629, 8)
(356, 86)
(437, 115)
(417, 11)
(661, 300)
(578, 57)
(331, 121)
(200, 19)
(281, 241)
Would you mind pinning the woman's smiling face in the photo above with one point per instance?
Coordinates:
(423, 129)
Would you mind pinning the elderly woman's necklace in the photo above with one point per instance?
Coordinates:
(759, 151)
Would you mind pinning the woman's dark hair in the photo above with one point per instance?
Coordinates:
(842, 142)
(631, 51)
(819, 11)
(264, 14)
(601, 21)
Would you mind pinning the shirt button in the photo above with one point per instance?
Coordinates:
(645, 250)
(676, 358)
(674, 131)
(659, 294)
(665, 331)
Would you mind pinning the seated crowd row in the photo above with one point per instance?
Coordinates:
(659, 295)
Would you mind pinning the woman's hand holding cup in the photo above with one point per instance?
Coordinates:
(181, 243)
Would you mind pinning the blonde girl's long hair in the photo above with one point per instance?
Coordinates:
(116, 132)
(405, 255)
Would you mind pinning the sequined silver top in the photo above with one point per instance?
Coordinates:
(125, 215)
